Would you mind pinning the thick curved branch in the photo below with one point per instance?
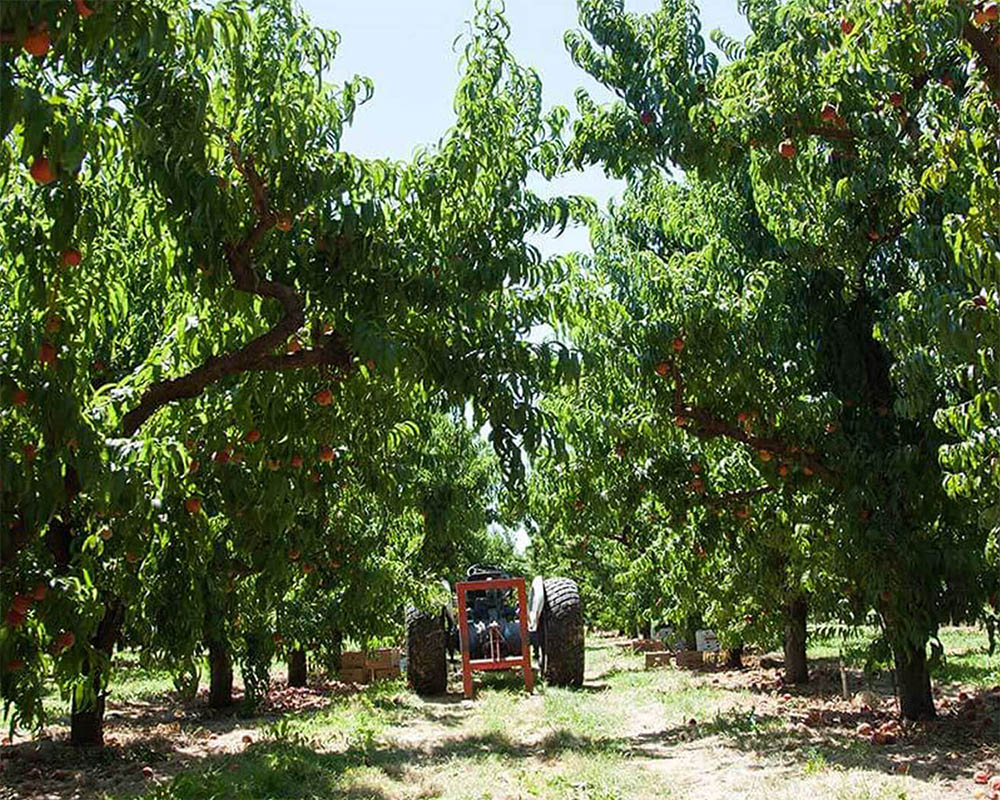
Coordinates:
(711, 427)
(258, 354)
(986, 52)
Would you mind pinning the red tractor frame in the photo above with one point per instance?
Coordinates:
(496, 660)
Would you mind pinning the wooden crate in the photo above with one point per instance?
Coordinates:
(354, 674)
(384, 673)
(382, 659)
(352, 659)
(658, 658)
(690, 659)
(642, 645)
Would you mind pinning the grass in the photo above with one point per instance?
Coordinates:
(629, 733)
(966, 655)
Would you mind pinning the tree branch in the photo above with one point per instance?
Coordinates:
(826, 132)
(258, 354)
(711, 427)
(988, 54)
(731, 498)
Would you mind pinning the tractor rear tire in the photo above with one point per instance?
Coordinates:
(426, 666)
(562, 637)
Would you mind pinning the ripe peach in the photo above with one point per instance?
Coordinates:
(15, 619)
(323, 397)
(846, 26)
(326, 453)
(765, 455)
(22, 603)
(252, 435)
(19, 397)
(284, 222)
(293, 555)
(828, 113)
(70, 257)
(662, 369)
(896, 99)
(985, 15)
(38, 43)
(82, 8)
(677, 344)
(41, 170)
(105, 533)
(294, 345)
(192, 505)
(295, 461)
(787, 149)
(47, 354)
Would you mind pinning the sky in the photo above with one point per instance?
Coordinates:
(406, 48)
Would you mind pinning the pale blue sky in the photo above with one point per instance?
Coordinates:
(405, 47)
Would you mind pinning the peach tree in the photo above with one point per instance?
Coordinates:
(197, 270)
(822, 230)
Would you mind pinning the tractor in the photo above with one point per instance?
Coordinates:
(497, 621)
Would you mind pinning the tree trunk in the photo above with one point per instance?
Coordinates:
(87, 710)
(647, 630)
(796, 665)
(734, 657)
(691, 632)
(87, 721)
(914, 683)
(336, 647)
(297, 668)
(220, 689)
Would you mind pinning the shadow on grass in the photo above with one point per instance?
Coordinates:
(294, 768)
(962, 672)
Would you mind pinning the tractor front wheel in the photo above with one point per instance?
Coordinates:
(426, 667)
(562, 633)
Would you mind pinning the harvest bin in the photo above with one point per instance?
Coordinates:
(356, 666)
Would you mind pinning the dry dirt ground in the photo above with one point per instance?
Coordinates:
(629, 733)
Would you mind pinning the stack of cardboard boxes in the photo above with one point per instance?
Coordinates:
(358, 666)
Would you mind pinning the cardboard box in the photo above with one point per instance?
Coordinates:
(707, 641)
(354, 674)
(353, 659)
(658, 659)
